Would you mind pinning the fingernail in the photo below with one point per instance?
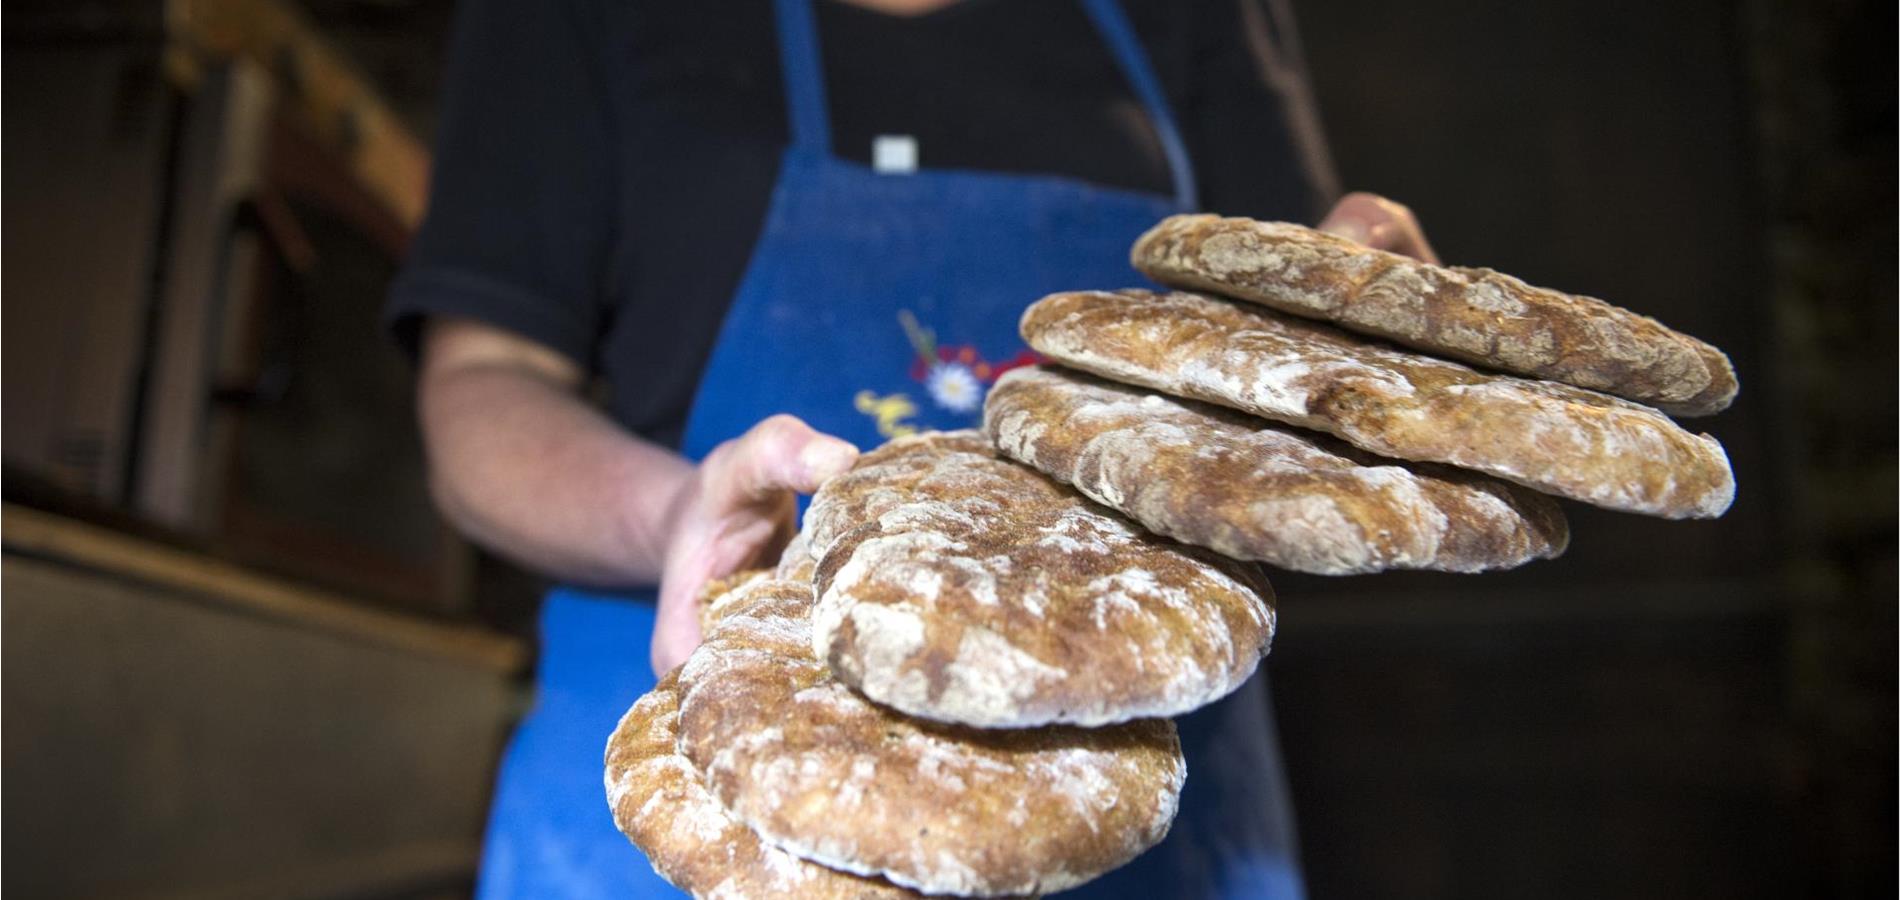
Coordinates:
(825, 457)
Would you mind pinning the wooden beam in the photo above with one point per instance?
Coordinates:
(327, 94)
(43, 535)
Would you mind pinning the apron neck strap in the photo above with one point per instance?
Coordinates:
(1116, 30)
(804, 77)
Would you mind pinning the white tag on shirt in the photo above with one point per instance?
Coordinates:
(894, 154)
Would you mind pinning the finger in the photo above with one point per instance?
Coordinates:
(676, 623)
(1380, 223)
(675, 627)
(779, 454)
(711, 549)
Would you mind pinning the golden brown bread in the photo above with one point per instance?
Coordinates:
(1546, 436)
(870, 488)
(816, 769)
(796, 563)
(1478, 316)
(661, 803)
(1255, 490)
(719, 591)
(958, 586)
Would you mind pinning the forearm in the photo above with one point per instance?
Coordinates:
(524, 467)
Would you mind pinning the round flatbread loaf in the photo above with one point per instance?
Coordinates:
(1546, 436)
(876, 486)
(1254, 490)
(661, 803)
(796, 563)
(1478, 316)
(817, 770)
(962, 587)
(718, 592)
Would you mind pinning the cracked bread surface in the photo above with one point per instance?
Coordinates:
(817, 770)
(1550, 437)
(959, 586)
(660, 802)
(1474, 315)
(1252, 489)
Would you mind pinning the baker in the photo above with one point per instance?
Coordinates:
(774, 235)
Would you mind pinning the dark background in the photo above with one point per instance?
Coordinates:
(1673, 709)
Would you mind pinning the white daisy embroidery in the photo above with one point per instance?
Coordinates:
(954, 387)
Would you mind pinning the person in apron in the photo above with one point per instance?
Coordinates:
(877, 305)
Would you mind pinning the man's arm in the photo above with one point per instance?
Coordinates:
(523, 465)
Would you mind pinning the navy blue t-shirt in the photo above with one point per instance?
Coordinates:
(603, 167)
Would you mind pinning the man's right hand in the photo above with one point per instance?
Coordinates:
(736, 512)
(521, 463)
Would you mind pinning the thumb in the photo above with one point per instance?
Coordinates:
(780, 454)
(675, 634)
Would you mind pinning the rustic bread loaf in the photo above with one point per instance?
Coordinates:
(796, 563)
(719, 592)
(1479, 316)
(1254, 490)
(961, 587)
(661, 803)
(872, 488)
(1543, 435)
(817, 770)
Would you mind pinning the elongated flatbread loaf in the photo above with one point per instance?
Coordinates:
(961, 587)
(819, 771)
(1256, 490)
(1478, 316)
(1546, 436)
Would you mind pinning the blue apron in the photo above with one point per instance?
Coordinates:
(876, 305)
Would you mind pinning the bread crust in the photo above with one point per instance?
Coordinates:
(1478, 316)
(1254, 490)
(660, 802)
(958, 586)
(796, 563)
(817, 770)
(1549, 437)
(718, 592)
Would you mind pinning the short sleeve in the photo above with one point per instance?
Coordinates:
(520, 214)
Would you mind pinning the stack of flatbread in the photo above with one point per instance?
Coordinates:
(958, 681)
(961, 677)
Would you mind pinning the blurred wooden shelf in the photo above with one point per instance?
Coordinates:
(224, 584)
(177, 729)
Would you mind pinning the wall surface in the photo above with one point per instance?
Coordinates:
(1672, 709)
